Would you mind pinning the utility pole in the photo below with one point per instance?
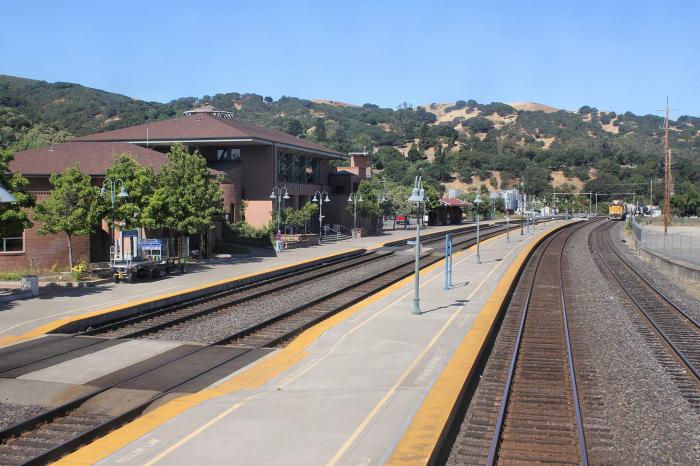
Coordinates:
(667, 174)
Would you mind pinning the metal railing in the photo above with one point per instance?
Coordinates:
(678, 245)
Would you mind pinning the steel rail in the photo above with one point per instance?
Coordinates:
(664, 335)
(647, 283)
(495, 440)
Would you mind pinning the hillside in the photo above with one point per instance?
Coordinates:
(461, 144)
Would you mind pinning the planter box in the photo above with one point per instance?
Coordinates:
(300, 241)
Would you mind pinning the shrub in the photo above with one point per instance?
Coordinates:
(79, 270)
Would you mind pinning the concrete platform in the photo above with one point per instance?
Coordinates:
(101, 363)
(346, 391)
(21, 320)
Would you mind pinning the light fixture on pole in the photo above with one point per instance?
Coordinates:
(354, 200)
(113, 196)
(418, 197)
(522, 209)
(318, 197)
(277, 194)
(507, 225)
(478, 203)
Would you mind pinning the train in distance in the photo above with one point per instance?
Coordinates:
(616, 210)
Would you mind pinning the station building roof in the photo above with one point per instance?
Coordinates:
(205, 128)
(94, 158)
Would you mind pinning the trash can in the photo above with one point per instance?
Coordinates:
(30, 283)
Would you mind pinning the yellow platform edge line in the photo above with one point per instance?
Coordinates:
(249, 378)
(419, 442)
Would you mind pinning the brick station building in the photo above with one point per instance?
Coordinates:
(252, 159)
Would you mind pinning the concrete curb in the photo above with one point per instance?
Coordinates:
(675, 267)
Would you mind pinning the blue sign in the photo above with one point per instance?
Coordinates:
(151, 244)
(130, 234)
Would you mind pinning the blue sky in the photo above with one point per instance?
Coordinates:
(614, 55)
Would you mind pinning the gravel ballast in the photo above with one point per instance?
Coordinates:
(214, 327)
(11, 413)
(675, 288)
(649, 420)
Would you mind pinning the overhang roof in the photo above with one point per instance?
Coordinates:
(93, 157)
(453, 202)
(201, 128)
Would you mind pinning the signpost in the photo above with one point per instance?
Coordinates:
(448, 261)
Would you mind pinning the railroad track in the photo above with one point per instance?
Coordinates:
(526, 408)
(60, 430)
(184, 315)
(664, 319)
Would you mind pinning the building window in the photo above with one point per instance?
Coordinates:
(228, 154)
(232, 213)
(297, 168)
(12, 243)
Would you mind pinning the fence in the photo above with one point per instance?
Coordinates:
(678, 245)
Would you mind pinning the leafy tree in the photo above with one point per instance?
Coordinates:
(414, 154)
(294, 127)
(268, 99)
(299, 217)
(185, 207)
(397, 201)
(71, 208)
(320, 130)
(369, 206)
(13, 215)
(536, 180)
(139, 183)
(478, 124)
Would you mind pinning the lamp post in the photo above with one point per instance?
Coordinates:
(277, 194)
(354, 200)
(478, 202)
(522, 209)
(507, 226)
(318, 197)
(417, 196)
(122, 193)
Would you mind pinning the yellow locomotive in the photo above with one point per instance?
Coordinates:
(616, 210)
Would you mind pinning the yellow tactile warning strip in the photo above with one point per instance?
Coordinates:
(419, 442)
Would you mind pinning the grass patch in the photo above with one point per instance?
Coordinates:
(10, 276)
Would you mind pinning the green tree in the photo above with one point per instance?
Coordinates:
(187, 198)
(369, 206)
(320, 130)
(71, 208)
(139, 182)
(294, 127)
(397, 202)
(13, 215)
(299, 217)
(414, 155)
